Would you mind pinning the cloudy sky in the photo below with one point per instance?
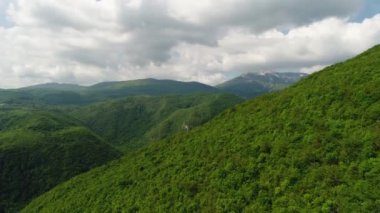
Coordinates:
(88, 41)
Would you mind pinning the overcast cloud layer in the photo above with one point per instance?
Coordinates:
(89, 41)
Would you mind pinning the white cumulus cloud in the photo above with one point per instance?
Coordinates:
(90, 41)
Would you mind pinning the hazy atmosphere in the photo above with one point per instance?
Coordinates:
(209, 41)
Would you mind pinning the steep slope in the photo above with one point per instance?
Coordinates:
(40, 149)
(135, 121)
(313, 147)
(253, 84)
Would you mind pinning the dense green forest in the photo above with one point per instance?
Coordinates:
(313, 147)
(40, 149)
(43, 145)
(135, 121)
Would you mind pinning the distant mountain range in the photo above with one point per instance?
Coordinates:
(254, 84)
(246, 86)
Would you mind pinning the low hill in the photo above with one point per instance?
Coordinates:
(251, 85)
(40, 149)
(135, 121)
(313, 147)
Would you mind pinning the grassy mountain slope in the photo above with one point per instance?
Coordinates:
(313, 147)
(40, 149)
(252, 84)
(135, 121)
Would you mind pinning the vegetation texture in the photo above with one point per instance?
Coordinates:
(40, 149)
(135, 121)
(42, 146)
(313, 147)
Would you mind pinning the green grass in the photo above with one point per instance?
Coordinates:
(313, 147)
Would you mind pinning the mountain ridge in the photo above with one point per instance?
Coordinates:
(71, 94)
(250, 85)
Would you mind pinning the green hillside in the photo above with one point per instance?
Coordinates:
(311, 148)
(135, 121)
(42, 146)
(40, 149)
